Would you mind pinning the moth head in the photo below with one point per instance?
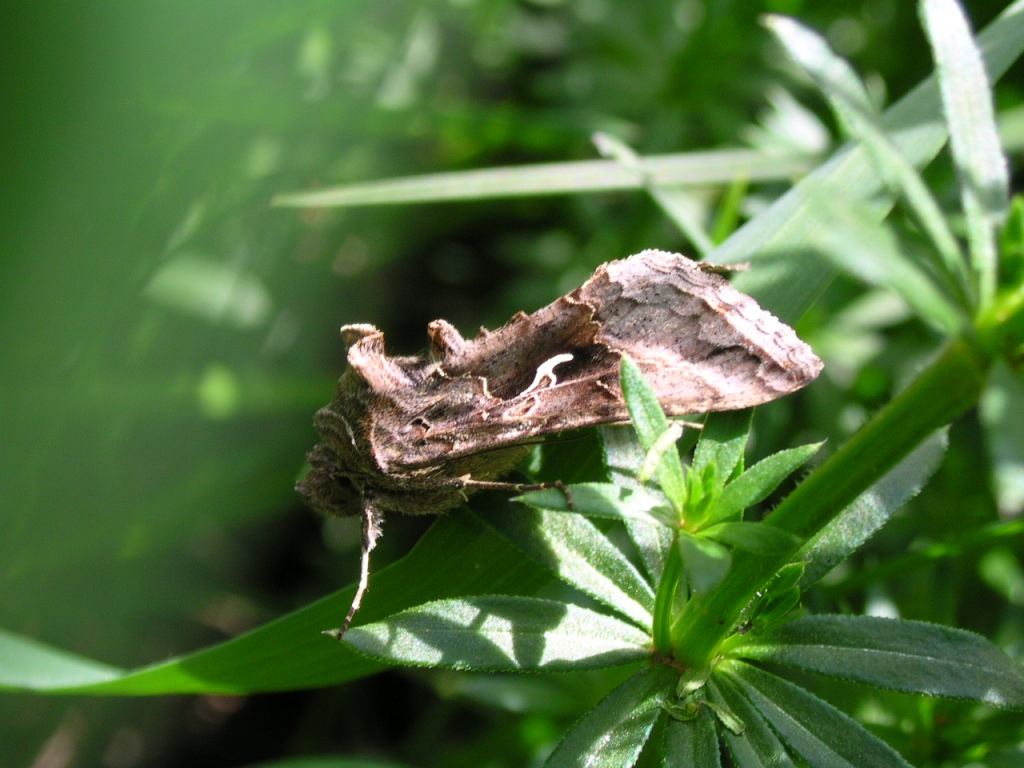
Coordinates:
(326, 489)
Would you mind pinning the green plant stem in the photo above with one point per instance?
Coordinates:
(1001, 328)
(944, 391)
(665, 598)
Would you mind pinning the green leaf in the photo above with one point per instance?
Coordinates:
(705, 561)
(28, 665)
(650, 424)
(853, 107)
(856, 243)
(501, 634)
(787, 278)
(692, 743)
(698, 169)
(603, 500)
(656, 453)
(944, 391)
(910, 656)
(291, 652)
(622, 455)
(756, 483)
(872, 509)
(752, 537)
(684, 208)
(820, 733)
(612, 734)
(758, 746)
(722, 442)
(973, 136)
(580, 554)
(776, 601)
(1001, 411)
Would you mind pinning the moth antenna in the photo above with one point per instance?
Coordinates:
(372, 520)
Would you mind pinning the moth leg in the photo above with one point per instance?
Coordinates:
(372, 520)
(497, 485)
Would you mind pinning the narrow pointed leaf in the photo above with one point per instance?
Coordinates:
(760, 480)
(650, 424)
(758, 746)
(692, 742)
(612, 734)
(501, 634)
(872, 509)
(911, 656)
(602, 500)
(623, 455)
(1000, 410)
(697, 169)
(856, 243)
(657, 452)
(788, 277)
(581, 555)
(722, 442)
(32, 666)
(853, 107)
(974, 138)
(706, 562)
(290, 652)
(820, 733)
(678, 205)
(753, 537)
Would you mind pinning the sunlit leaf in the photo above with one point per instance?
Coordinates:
(608, 501)
(291, 652)
(722, 442)
(650, 424)
(787, 279)
(910, 656)
(973, 137)
(855, 242)
(689, 168)
(502, 634)
(872, 509)
(581, 555)
(849, 98)
(612, 734)
(680, 206)
(820, 733)
(760, 480)
(623, 455)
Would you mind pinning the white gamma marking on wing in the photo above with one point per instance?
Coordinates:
(547, 370)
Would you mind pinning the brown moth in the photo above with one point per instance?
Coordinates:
(419, 434)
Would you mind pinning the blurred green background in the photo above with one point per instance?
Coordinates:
(167, 334)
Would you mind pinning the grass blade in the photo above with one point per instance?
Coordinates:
(694, 169)
(853, 108)
(787, 279)
(974, 138)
